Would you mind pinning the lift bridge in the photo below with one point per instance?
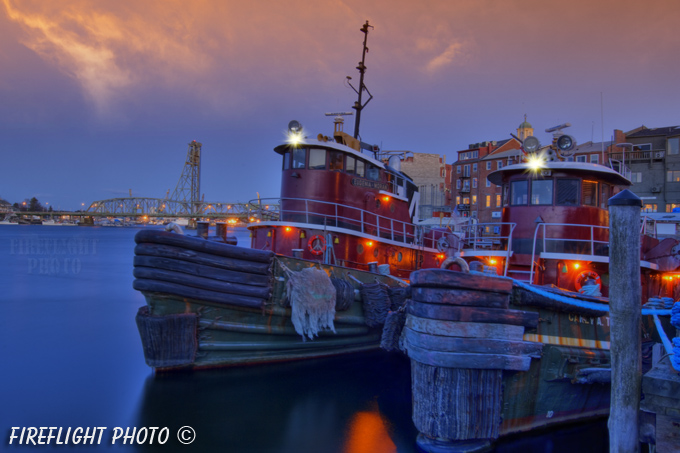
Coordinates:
(185, 202)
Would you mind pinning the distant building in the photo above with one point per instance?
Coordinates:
(474, 195)
(5, 206)
(654, 163)
(430, 173)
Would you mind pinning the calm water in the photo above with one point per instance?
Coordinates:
(71, 357)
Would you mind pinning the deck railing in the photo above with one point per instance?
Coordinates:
(324, 213)
(482, 238)
(586, 240)
(634, 156)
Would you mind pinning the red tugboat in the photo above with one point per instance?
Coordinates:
(342, 205)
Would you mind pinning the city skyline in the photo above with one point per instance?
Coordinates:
(102, 98)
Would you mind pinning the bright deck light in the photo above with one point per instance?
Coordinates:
(294, 138)
(535, 162)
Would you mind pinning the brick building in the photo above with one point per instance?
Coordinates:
(474, 195)
(430, 173)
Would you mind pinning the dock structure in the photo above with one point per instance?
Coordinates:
(655, 417)
(660, 405)
(660, 408)
(624, 302)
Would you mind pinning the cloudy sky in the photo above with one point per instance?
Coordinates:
(98, 97)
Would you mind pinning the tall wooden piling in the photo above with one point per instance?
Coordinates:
(461, 335)
(624, 306)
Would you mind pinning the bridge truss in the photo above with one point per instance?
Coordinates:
(186, 200)
(159, 207)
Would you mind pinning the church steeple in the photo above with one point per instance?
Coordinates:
(525, 129)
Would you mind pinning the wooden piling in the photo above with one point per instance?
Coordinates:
(624, 305)
(460, 336)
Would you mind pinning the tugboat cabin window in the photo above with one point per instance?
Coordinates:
(542, 191)
(567, 192)
(589, 193)
(373, 172)
(335, 160)
(360, 168)
(317, 159)
(299, 157)
(519, 194)
(349, 167)
(286, 161)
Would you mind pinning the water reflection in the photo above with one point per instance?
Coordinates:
(350, 405)
(368, 433)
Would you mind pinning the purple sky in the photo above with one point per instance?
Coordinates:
(99, 97)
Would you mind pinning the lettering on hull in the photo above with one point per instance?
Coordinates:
(370, 184)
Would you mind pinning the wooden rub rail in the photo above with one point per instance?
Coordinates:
(461, 335)
(201, 245)
(221, 262)
(195, 268)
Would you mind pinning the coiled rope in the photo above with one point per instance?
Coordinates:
(376, 298)
(344, 294)
(675, 315)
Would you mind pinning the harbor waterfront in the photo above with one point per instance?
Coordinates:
(73, 358)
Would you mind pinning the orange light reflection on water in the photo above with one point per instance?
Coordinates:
(367, 433)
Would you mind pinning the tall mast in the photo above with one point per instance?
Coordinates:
(362, 70)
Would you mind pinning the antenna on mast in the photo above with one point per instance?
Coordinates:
(358, 106)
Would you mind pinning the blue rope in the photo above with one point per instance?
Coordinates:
(675, 358)
(675, 315)
(646, 310)
(563, 299)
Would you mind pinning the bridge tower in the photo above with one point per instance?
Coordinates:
(188, 190)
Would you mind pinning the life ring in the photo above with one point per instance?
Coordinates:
(316, 244)
(585, 275)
